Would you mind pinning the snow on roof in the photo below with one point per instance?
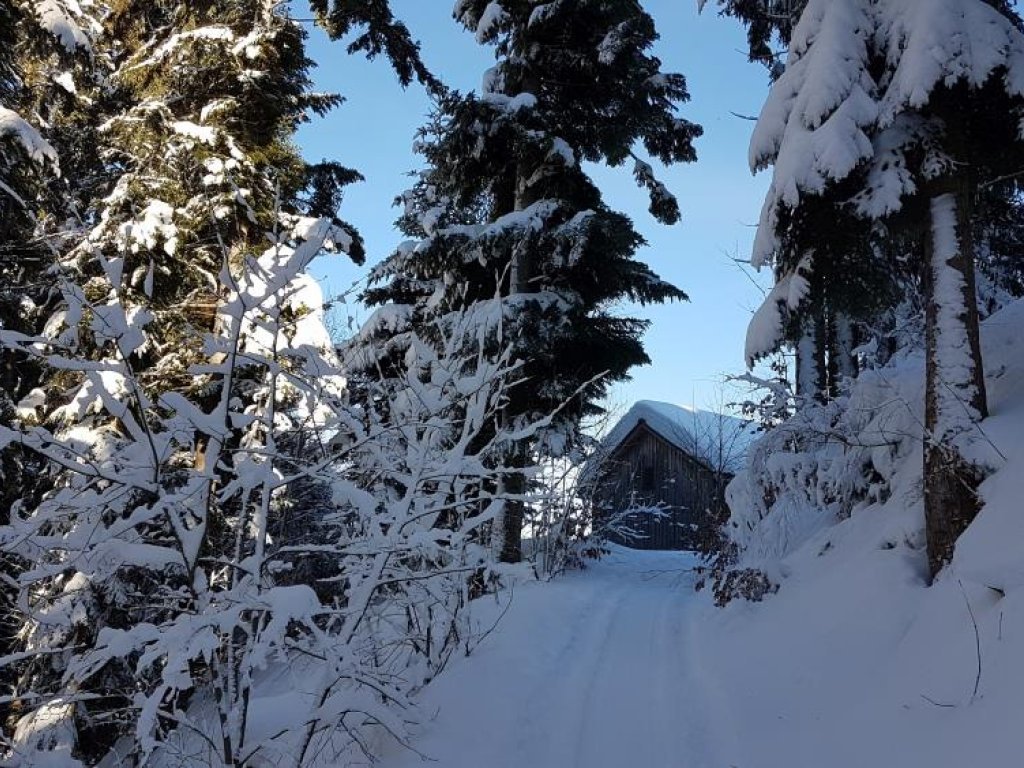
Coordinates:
(719, 440)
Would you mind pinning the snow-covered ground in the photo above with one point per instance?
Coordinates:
(624, 666)
(593, 670)
(856, 662)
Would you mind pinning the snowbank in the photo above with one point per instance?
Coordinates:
(856, 661)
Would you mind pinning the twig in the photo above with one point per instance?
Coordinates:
(937, 703)
(512, 594)
(977, 640)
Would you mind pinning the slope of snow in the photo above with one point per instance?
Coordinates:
(856, 660)
(854, 663)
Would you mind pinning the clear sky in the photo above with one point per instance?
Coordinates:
(692, 345)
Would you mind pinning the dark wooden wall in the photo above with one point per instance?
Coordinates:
(646, 469)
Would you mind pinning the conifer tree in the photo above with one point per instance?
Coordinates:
(26, 159)
(377, 32)
(506, 210)
(193, 168)
(40, 67)
(955, 120)
(769, 23)
(45, 73)
(893, 99)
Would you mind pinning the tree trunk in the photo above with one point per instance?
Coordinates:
(955, 397)
(810, 356)
(520, 276)
(506, 542)
(842, 363)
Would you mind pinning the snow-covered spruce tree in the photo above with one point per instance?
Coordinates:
(505, 208)
(26, 159)
(44, 60)
(45, 73)
(376, 31)
(835, 275)
(1000, 235)
(912, 96)
(196, 160)
(770, 23)
(824, 333)
(957, 118)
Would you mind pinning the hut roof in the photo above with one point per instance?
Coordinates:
(717, 439)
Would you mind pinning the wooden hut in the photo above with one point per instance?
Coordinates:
(661, 475)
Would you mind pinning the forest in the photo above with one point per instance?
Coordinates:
(232, 534)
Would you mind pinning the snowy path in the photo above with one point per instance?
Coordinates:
(592, 671)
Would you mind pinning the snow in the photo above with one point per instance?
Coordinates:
(813, 125)
(856, 661)
(203, 133)
(623, 664)
(58, 18)
(560, 148)
(492, 17)
(834, 110)
(542, 13)
(613, 44)
(34, 145)
(940, 42)
(154, 224)
(50, 735)
(66, 80)
(590, 670)
(213, 33)
(766, 328)
(27, 408)
(954, 365)
(510, 104)
(989, 552)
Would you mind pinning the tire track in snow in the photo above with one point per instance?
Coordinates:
(595, 670)
(544, 736)
(633, 714)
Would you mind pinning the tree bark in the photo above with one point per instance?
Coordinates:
(506, 542)
(846, 341)
(520, 276)
(955, 398)
(810, 356)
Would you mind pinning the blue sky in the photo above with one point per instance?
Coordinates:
(692, 345)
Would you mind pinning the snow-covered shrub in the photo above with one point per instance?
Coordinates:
(826, 461)
(156, 585)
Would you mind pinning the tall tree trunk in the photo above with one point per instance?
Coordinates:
(810, 356)
(506, 542)
(955, 398)
(520, 275)
(510, 548)
(842, 363)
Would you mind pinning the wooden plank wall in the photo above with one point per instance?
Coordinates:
(647, 469)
